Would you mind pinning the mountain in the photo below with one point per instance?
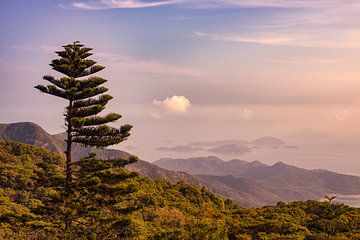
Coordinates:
(33, 201)
(35, 205)
(230, 149)
(268, 141)
(155, 172)
(242, 191)
(285, 182)
(31, 133)
(268, 184)
(208, 165)
(204, 144)
(262, 141)
(180, 149)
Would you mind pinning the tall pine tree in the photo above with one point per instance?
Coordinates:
(86, 99)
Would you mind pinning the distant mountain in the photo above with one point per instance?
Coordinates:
(31, 133)
(207, 144)
(283, 181)
(262, 141)
(122, 205)
(208, 165)
(227, 147)
(268, 141)
(247, 183)
(181, 149)
(230, 149)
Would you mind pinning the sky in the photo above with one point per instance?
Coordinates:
(188, 70)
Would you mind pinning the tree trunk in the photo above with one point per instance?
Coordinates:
(68, 148)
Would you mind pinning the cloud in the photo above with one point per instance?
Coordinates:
(109, 4)
(270, 39)
(285, 3)
(175, 104)
(334, 38)
(320, 24)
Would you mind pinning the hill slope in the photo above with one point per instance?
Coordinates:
(33, 205)
(31, 133)
(283, 181)
(269, 184)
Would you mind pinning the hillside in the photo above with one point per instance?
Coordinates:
(31, 133)
(33, 206)
(268, 184)
(283, 181)
(242, 191)
(148, 210)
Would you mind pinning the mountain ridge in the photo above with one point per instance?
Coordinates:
(284, 181)
(250, 184)
(31, 133)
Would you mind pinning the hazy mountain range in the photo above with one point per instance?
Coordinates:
(284, 182)
(247, 183)
(227, 147)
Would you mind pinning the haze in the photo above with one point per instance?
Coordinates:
(182, 71)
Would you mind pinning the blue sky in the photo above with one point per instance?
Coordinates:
(188, 70)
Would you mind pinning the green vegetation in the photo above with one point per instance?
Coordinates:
(109, 202)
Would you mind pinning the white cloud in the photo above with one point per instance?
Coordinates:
(175, 104)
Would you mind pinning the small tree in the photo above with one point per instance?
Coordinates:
(86, 99)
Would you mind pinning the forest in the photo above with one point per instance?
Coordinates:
(109, 202)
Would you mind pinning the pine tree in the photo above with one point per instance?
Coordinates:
(86, 99)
